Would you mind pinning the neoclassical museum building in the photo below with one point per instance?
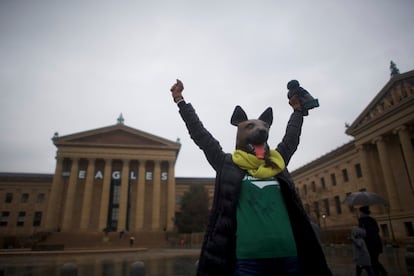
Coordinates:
(379, 159)
(118, 178)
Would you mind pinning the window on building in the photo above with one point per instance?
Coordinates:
(40, 198)
(4, 218)
(20, 218)
(323, 183)
(9, 198)
(338, 205)
(409, 228)
(305, 189)
(333, 179)
(358, 170)
(313, 186)
(37, 220)
(326, 205)
(345, 175)
(25, 198)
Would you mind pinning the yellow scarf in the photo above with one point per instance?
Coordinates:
(255, 166)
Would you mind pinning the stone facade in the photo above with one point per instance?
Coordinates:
(23, 202)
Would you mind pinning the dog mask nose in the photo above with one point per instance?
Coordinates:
(263, 133)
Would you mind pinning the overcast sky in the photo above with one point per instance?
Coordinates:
(73, 66)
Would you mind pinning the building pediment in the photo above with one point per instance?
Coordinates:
(115, 136)
(396, 94)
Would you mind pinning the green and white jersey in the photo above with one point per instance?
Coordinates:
(263, 225)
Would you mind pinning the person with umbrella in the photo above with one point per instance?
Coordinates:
(362, 258)
(372, 239)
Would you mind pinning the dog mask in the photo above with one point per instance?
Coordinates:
(252, 134)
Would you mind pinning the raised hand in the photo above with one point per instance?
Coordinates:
(177, 90)
(295, 103)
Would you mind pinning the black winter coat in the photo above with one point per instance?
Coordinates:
(218, 253)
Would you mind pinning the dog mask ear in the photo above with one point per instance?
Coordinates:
(267, 116)
(238, 116)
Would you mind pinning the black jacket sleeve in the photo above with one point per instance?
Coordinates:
(291, 138)
(201, 136)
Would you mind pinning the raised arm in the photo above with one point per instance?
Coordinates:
(198, 133)
(290, 141)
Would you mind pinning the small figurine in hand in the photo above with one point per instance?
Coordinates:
(305, 98)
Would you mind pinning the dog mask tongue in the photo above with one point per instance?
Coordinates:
(259, 151)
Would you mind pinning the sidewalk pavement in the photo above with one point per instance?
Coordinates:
(340, 260)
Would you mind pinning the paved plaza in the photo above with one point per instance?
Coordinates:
(162, 262)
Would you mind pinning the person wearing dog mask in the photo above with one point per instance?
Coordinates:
(257, 224)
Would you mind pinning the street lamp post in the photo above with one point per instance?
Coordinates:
(324, 227)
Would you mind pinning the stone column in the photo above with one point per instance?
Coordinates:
(55, 196)
(87, 196)
(103, 210)
(408, 151)
(70, 195)
(123, 200)
(156, 195)
(140, 196)
(171, 196)
(387, 173)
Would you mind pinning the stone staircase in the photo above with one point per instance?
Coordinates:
(99, 240)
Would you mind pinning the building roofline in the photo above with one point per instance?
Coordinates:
(19, 174)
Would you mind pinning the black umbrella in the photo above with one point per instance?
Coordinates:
(364, 199)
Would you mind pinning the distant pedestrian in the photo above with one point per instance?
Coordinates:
(372, 239)
(360, 252)
(131, 241)
(121, 234)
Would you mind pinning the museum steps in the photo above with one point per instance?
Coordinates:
(97, 240)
